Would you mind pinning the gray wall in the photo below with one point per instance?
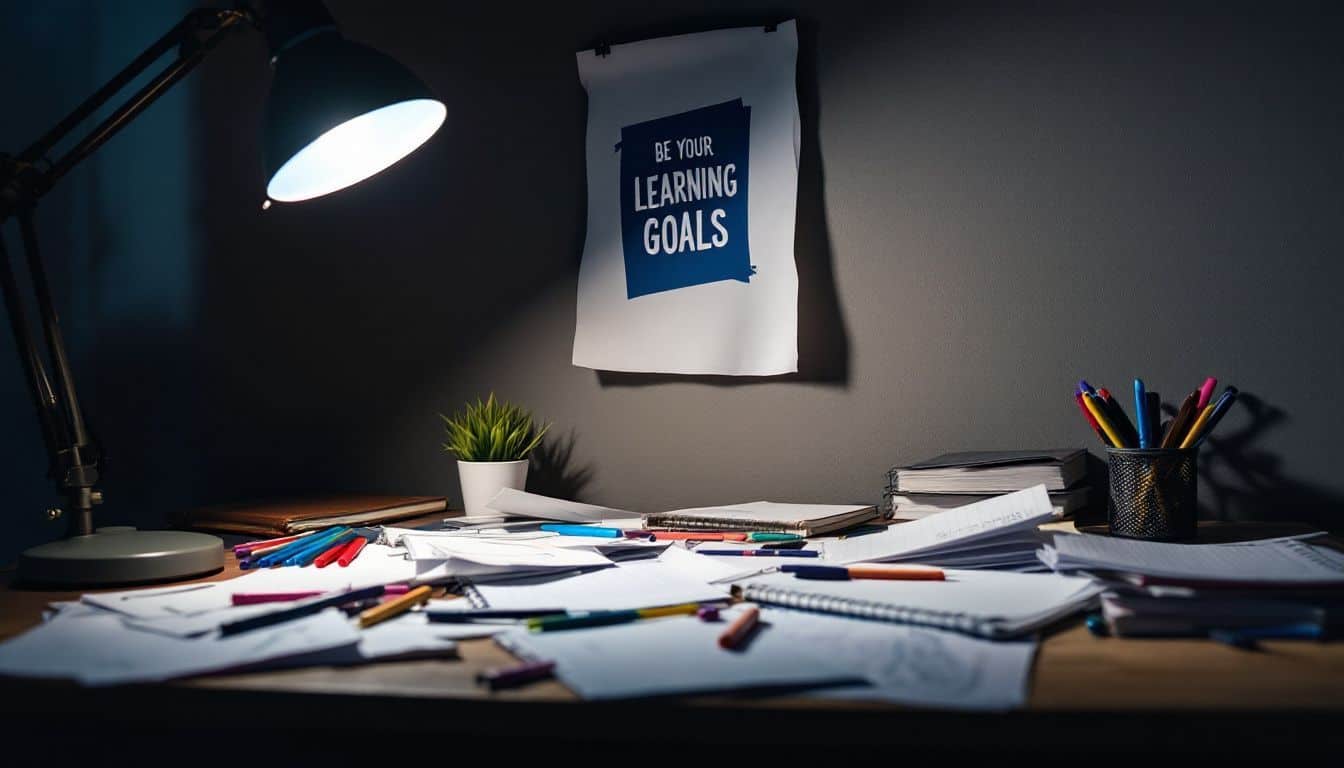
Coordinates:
(994, 201)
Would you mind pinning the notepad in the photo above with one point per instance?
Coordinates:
(989, 604)
(802, 519)
(1274, 563)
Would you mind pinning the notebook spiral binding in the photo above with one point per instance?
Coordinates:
(866, 609)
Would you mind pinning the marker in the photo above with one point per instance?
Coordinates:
(888, 572)
(760, 552)
(1091, 420)
(395, 607)
(1249, 637)
(607, 618)
(1220, 409)
(307, 555)
(303, 608)
(768, 536)
(1181, 424)
(1083, 386)
(1097, 626)
(330, 554)
(785, 545)
(1154, 411)
(257, 598)
(708, 613)
(740, 629)
(467, 617)
(282, 554)
(1094, 405)
(1206, 392)
(509, 677)
(1119, 419)
(1141, 415)
(242, 550)
(583, 530)
(352, 551)
(1197, 427)
(692, 535)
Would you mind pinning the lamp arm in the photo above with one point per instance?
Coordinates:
(25, 179)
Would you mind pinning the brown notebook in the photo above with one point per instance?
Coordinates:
(299, 515)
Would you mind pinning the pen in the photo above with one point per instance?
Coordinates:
(394, 607)
(1094, 405)
(888, 572)
(508, 677)
(1083, 386)
(1154, 411)
(257, 598)
(1220, 408)
(1141, 415)
(583, 530)
(768, 536)
(1206, 392)
(1197, 427)
(352, 551)
(279, 555)
(303, 608)
(1184, 417)
(691, 535)
(330, 554)
(1119, 420)
(308, 554)
(606, 618)
(785, 545)
(466, 617)
(740, 629)
(1091, 420)
(760, 552)
(244, 549)
(1249, 636)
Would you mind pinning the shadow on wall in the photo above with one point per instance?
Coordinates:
(1244, 482)
(552, 471)
(823, 341)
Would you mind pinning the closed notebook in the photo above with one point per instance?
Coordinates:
(802, 519)
(299, 515)
(994, 471)
(990, 604)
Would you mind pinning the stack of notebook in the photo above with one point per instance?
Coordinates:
(956, 479)
(801, 519)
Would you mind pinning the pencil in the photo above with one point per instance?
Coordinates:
(1197, 427)
(395, 607)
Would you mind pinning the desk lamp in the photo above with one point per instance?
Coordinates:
(337, 113)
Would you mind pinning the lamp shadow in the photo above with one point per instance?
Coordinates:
(552, 471)
(823, 340)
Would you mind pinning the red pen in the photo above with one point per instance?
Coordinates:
(352, 551)
(329, 556)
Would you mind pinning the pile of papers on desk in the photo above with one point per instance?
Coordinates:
(912, 654)
(1287, 588)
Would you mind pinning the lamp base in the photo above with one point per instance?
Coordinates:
(122, 555)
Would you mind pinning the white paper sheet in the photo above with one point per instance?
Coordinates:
(504, 554)
(1276, 562)
(946, 531)
(640, 584)
(511, 501)
(674, 655)
(102, 650)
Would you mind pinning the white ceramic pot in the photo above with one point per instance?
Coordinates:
(481, 480)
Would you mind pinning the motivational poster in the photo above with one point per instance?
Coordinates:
(692, 156)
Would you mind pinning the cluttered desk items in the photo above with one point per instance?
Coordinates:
(954, 480)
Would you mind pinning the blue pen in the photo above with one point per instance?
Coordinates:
(583, 530)
(1141, 416)
(1247, 637)
(1220, 408)
(1083, 386)
(761, 552)
(280, 555)
(310, 554)
(828, 572)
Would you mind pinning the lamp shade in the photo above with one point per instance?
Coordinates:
(338, 113)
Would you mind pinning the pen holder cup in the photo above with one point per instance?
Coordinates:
(1153, 493)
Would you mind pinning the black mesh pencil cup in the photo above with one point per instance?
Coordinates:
(1152, 493)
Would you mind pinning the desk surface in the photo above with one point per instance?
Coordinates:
(1083, 688)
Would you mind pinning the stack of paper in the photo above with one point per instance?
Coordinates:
(1275, 563)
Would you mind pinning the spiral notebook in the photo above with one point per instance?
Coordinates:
(991, 604)
(802, 519)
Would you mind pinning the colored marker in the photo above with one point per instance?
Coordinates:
(1197, 427)
(1178, 427)
(768, 536)
(303, 608)
(1083, 386)
(280, 555)
(509, 677)
(1119, 419)
(583, 530)
(1220, 409)
(760, 552)
(691, 535)
(467, 617)
(888, 572)
(607, 618)
(1094, 405)
(330, 554)
(243, 550)
(1249, 637)
(1206, 392)
(1154, 412)
(708, 613)
(1141, 415)
(257, 598)
(352, 551)
(1091, 420)
(311, 552)
(395, 607)
(741, 629)
(291, 546)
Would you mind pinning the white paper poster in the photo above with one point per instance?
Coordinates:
(692, 186)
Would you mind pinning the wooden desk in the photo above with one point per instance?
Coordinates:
(1086, 692)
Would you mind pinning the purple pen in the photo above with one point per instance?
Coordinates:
(508, 677)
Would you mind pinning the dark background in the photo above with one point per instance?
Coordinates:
(995, 199)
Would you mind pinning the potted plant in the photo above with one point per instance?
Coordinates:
(491, 441)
